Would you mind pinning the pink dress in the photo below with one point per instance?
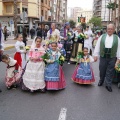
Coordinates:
(33, 78)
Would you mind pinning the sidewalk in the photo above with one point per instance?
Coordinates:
(11, 42)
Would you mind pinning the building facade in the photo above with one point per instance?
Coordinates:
(100, 10)
(73, 13)
(59, 10)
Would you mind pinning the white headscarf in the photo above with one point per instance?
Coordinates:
(33, 43)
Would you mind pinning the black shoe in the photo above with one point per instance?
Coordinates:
(100, 83)
(9, 88)
(0, 90)
(109, 88)
(43, 90)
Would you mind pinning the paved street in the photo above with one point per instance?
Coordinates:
(81, 102)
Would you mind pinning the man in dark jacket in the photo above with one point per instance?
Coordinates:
(39, 31)
(32, 32)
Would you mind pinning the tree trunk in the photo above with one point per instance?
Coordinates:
(15, 19)
(115, 13)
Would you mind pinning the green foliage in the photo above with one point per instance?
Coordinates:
(112, 5)
(72, 23)
(96, 21)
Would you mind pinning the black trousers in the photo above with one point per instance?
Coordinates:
(106, 68)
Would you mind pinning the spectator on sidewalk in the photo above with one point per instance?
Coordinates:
(1, 44)
(32, 32)
(5, 33)
(39, 31)
(25, 36)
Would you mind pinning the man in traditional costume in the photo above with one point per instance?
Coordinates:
(1, 44)
(66, 35)
(108, 47)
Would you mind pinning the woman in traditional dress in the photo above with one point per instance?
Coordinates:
(83, 74)
(54, 75)
(53, 34)
(78, 44)
(33, 78)
(11, 72)
(20, 54)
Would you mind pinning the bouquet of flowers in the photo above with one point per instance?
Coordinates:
(79, 56)
(27, 48)
(45, 57)
(117, 68)
(82, 36)
(69, 35)
(61, 60)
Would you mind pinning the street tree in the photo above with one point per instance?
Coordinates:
(96, 21)
(112, 7)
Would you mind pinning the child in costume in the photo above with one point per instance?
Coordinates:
(11, 78)
(83, 74)
(54, 75)
(33, 77)
(21, 54)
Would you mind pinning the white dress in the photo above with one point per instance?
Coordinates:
(33, 77)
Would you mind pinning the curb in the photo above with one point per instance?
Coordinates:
(9, 47)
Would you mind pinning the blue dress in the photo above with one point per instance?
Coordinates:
(52, 69)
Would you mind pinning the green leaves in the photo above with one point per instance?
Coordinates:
(96, 21)
(112, 5)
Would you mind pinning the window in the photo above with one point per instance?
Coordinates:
(18, 10)
(42, 12)
(8, 9)
(45, 1)
(49, 4)
(45, 14)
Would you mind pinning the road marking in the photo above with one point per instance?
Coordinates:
(62, 115)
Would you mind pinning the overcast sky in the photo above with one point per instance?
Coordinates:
(85, 4)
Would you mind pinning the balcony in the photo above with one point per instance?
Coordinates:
(4, 1)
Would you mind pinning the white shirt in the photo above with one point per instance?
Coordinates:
(19, 44)
(108, 44)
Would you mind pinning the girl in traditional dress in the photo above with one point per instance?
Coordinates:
(11, 72)
(20, 54)
(83, 74)
(78, 44)
(54, 75)
(33, 78)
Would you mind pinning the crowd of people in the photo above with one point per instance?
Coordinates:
(40, 68)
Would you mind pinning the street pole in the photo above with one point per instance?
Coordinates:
(15, 18)
(57, 11)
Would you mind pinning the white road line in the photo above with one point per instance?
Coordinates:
(63, 115)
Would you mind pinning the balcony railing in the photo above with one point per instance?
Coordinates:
(11, 0)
